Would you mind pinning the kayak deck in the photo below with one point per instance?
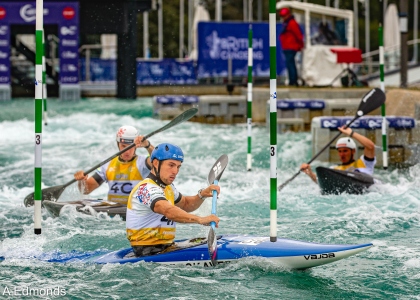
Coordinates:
(87, 206)
(293, 254)
(333, 181)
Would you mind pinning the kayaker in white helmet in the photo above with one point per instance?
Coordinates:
(346, 148)
(123, 172)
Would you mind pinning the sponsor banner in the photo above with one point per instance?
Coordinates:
(25, 12)
(65, 15)
(369, 122)
(166, 71)
(101, 70)
(4, 53)
(217, 42)
(300, 103)
(176, 99)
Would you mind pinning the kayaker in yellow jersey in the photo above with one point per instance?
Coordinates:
(123, 172)
(346, 150)
(155, 205)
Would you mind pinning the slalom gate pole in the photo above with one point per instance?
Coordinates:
(383, 110)
(44, 81)
(249, 119)
(38, 115)
(273, 121)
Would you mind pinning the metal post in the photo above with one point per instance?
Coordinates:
(146, 53)
(259, 14)
(356, 22)
(87, 66)
(191, 7)
(415, 31)
(160, 30)
(181, 28)
(367, 35)
(404, 37)
(250, 10)
(218, 10)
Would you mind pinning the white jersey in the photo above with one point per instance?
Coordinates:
(145, 227)
(361, 165)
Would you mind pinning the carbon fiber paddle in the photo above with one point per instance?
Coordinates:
(370, 101)
(213, 178)
(54, 192)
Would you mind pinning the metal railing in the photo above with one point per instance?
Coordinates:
(370, 65)
(87, 49)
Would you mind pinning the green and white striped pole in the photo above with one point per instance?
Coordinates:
(249, 120)
(44, 81)
(38, 114)
(273, 121)
(383, 111)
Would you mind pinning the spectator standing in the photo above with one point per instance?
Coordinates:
(291, 39)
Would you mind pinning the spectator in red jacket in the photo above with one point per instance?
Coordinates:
(291, 39)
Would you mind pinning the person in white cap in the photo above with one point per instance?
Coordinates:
(346, 150)
(124, 171)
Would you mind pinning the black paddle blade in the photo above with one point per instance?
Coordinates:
(51, 193)
(217, 169)
(371, 101)
(185, 116)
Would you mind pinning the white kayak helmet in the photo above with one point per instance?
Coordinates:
(126, 134)
(345, 142)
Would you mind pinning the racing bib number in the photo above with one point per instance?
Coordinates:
(123, 188)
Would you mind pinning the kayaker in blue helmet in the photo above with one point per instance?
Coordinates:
(123, 172)
(155, 205)
(346, 150)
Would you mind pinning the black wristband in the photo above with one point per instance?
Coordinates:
(147, 147)
(351, 134)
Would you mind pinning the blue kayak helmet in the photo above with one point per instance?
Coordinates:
(166, 151)
(163, 152)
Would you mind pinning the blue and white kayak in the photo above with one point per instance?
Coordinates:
(291, 254)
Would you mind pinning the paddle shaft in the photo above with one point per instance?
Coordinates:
(55, 192)
(316, 155)
(213, 178)
(214, 204)
(114, 156)
(179, 119)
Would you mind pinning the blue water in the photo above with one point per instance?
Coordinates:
(80, 135)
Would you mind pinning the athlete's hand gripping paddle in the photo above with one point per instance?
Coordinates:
(54, 192)
(213, 178)
(370, 101)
